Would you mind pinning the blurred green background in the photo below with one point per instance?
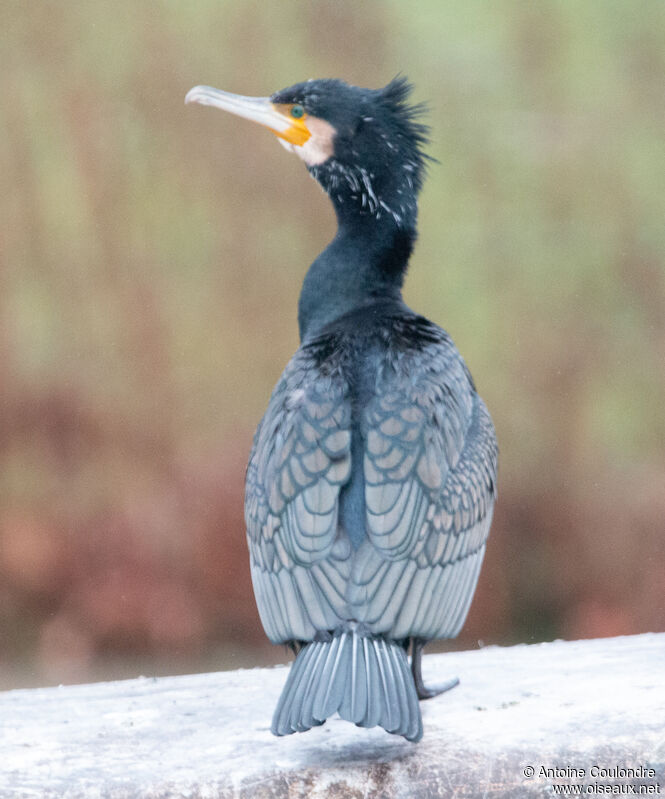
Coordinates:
(151, 256)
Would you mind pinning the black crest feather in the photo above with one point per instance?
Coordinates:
(396, 95)
(407, 115)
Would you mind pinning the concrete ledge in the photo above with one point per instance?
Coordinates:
(572, 705)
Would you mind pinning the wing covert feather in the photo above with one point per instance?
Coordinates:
(429, 468)
(430, 474)
(300, 459)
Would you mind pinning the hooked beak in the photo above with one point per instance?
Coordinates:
(258, 109)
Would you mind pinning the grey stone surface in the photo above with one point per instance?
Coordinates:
(571, 705)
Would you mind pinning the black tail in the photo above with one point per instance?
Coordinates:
(365, 679)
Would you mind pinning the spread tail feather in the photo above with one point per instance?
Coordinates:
(366, 679)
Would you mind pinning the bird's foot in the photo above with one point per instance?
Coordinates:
(417, 645)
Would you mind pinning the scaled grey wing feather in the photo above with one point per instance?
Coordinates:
(300, 459)
(430, 472)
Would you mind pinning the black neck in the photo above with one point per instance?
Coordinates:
(367, 260)
(364, 263)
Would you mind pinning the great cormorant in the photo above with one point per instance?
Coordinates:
(371, 481)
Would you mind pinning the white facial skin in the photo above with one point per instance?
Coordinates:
(320, 145)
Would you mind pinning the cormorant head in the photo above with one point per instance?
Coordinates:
(364, 146)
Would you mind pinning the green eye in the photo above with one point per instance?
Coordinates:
(297, 111)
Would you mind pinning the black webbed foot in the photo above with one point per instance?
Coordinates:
(423, 692)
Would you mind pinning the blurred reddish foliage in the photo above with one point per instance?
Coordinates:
(165, 573)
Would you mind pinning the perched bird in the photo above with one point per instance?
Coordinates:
(371, 481)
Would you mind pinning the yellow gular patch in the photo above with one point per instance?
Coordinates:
(298, 133)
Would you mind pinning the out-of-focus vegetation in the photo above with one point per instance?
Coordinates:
(150, 260)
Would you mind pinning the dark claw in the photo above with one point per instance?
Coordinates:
(427, 693)
(423, 692)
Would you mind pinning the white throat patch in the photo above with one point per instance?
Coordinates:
(320, 145)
